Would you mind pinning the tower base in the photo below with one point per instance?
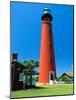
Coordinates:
(51, 82)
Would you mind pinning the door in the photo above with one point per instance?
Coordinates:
(52, 76)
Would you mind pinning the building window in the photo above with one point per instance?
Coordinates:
(21, 75)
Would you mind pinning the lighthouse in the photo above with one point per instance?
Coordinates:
(47, 69)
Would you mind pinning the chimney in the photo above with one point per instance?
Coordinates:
(14, 56)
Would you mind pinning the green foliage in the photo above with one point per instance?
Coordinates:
(31, 64)
(29, 68)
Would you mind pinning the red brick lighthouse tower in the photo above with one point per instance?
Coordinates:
(47, 70)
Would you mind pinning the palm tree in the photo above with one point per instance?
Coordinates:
(29, 67)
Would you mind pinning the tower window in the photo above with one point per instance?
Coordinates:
(50, 45)
(49, 31)
(51, 60)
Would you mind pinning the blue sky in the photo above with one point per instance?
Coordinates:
(26, 32)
